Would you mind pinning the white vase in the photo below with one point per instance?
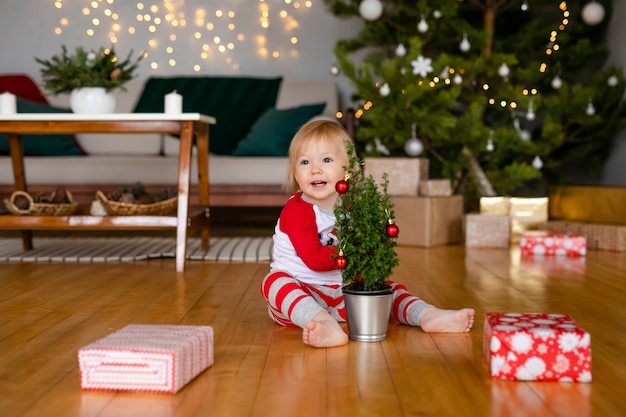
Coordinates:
(92, 100)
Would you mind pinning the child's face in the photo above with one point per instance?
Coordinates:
(318, 168)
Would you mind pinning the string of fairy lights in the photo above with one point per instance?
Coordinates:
(176, 27)
(452, 75)
(592, 13)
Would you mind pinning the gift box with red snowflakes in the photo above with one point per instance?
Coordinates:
(156, 358)
(536, 347)
(543, 242)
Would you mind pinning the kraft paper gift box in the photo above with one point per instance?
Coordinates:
(435, 188)
(536, 347)
(155, 358)
(404, 174)
(543, 242)
(429, 221)
(611, 237)
(487, 230)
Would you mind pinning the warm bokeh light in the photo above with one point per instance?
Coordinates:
(113, 21)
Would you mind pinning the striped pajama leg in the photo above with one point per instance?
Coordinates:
(406, 308)
(292, 303)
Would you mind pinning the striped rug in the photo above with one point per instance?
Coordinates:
(116, 249)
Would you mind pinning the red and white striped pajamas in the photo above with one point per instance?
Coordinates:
(303, 279)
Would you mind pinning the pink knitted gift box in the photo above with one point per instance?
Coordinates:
(158, 358)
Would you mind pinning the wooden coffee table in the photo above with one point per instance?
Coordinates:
(187, 125)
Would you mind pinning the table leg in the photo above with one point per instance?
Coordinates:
(19, 179)
(202, 144)
(184, 176)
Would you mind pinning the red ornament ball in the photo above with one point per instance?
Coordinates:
(393, 230)
(342, 186)
(341, 262)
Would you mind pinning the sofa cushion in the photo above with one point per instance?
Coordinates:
(42, 145)
(271, 134)
(235, 102)
(150, 170)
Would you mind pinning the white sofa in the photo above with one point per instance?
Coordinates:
(121, 159)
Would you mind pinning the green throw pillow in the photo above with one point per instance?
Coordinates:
(235, 102)
(271, 134)
(42, 145)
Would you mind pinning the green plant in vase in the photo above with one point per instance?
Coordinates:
(89, 77)
(102, 68)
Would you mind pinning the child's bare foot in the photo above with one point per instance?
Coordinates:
(435, 320)
(323, 331)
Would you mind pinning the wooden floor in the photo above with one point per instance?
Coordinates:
(48, 311)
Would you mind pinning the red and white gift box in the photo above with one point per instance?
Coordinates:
(536, 347)
(157, 358)
(543, 242)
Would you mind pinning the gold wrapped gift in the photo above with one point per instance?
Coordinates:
(588, 204)
(529, 206)
(429, 221)
(495, 205)
(525, 212)
(515, 206)
(404, 174)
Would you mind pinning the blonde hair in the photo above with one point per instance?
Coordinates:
(326, 131)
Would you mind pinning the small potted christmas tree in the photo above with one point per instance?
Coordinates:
(366, 230)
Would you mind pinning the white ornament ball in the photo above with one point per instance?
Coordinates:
(422, 26)
(612, 81)
(537, 163)
(457, 79)
(465, 46)
(490, 147)
(401, 50)
(334, 70)
(591, 110)
(524, 6)
(413, 147)
(437, 14)
(557, 82)
(504, 71)
(593, 13)
(371, 9)
(384, 90)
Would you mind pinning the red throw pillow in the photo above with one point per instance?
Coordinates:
(22, 86)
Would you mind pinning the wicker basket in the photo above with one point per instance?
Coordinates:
(40, 209)
(116, 208)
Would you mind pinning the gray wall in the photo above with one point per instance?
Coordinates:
(27, 31)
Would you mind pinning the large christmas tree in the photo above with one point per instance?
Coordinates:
(497, 94)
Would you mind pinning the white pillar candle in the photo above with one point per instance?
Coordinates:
(8, 103)
(173, 103)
